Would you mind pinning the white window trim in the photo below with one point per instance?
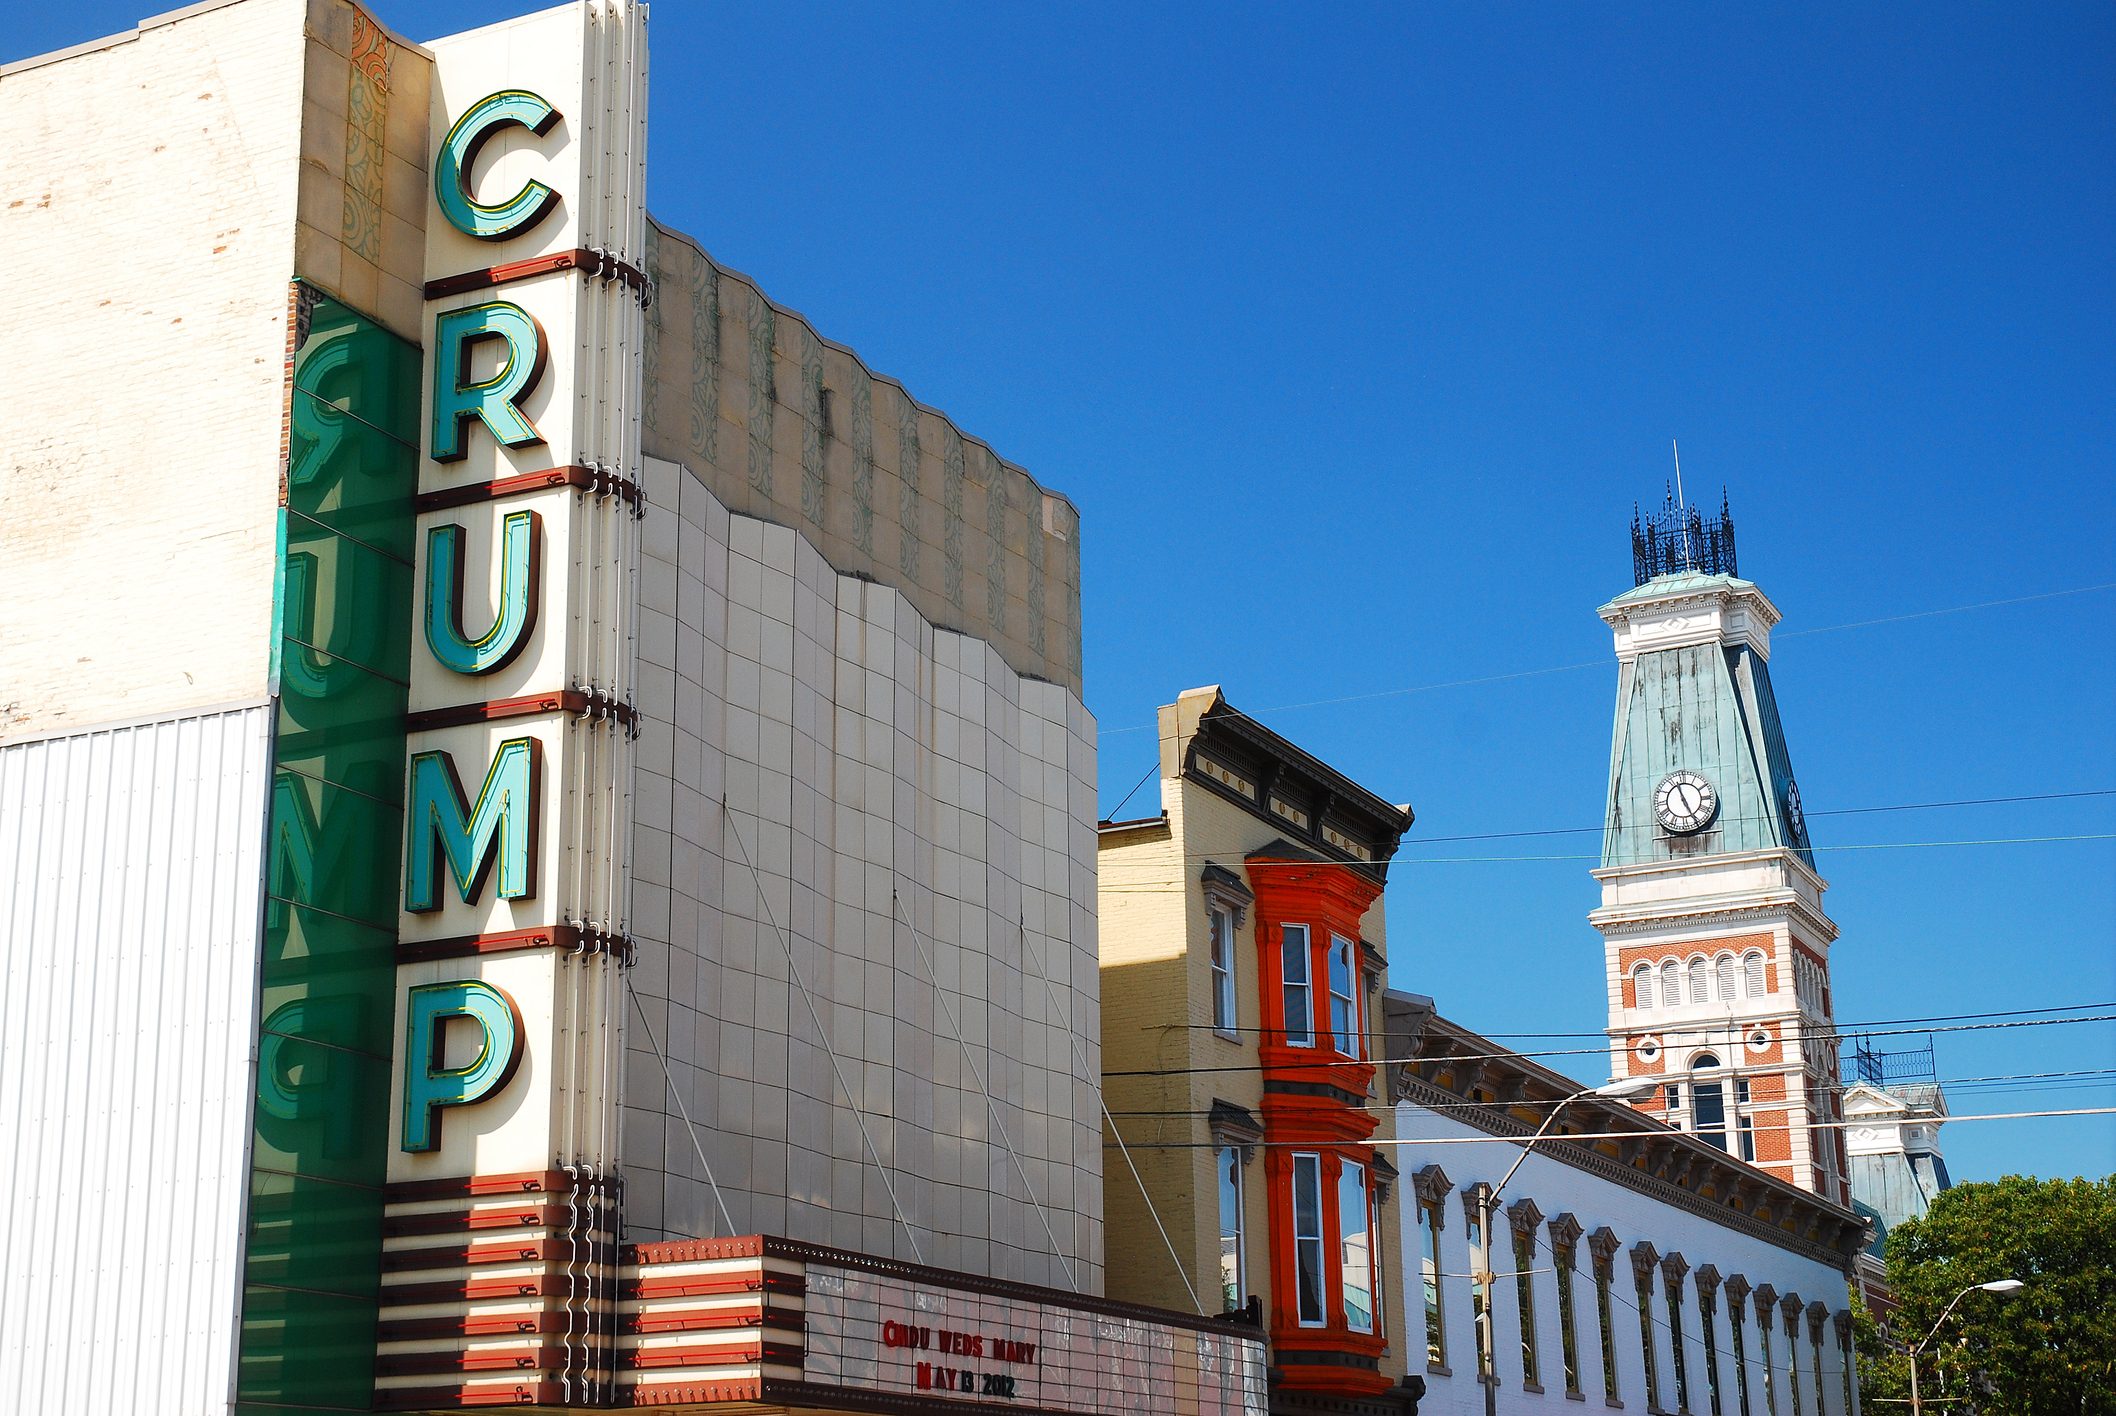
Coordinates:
(1223, 971)
(1346, 1168)
(1347, 1044)
(1321, 1242)
(1306, 984)
(1221, 1157)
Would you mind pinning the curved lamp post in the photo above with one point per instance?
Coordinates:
(1621, 1089)
(1996, 1285)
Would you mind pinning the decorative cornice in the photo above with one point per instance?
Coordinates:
(1644, 1259)
(1817, 1315)
(1603, 1244)
(1418, 1092)
(1766, 1299)
(1524, 1216)
(1432, 1185)
(1736, 1288)
(1672, 1269)
(1629, 919)
(1565, 1236)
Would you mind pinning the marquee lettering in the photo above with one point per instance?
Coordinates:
(429, 1084)
(495, 402)
(491, 221)
(499, 830)
(521, 570)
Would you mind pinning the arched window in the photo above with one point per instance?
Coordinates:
(1700, 987)
(1671, 984)
(1709, 1104)
(1642, 986)
(1725, 969)
(1752, 969)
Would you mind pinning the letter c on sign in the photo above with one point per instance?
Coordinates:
(429, 1084)
(491, 221)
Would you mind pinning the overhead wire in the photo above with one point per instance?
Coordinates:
(1603, 663)
(1603, 1050)
(1658, 1132)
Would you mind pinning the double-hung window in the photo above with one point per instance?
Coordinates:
(1429, 1271)
(1604, 1271)
(1308, 1238)
(1355, 1246)
(1344, 997)
(1233, 1278)
(1223, 1017)
(1299, 991)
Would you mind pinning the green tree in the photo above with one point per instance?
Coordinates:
(2048, 1349)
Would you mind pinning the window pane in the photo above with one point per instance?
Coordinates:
(1231, 1277)
(1222, 969)
(1711, 1111)
(1357, 1247)
(1725, 979)
(1307, 1236)
(1752, 969)
(1344, 1024)
(1300, 1009)
(1429, 1265)
(1642, 985)
(1700, 991)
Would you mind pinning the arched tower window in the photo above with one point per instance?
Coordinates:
(1642, 986)
(1671, 984)
(1752, 971)
(1725, 969)
(1708, 1107)
(1700, 986)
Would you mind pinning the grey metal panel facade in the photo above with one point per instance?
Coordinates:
(130, 884)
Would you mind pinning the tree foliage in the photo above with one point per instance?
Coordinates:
(2048, 1349)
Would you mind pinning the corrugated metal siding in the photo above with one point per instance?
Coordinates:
(130, 882)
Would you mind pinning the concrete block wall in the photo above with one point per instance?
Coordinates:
(783, 425)
(871, 765)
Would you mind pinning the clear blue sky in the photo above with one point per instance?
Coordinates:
(1355, 332)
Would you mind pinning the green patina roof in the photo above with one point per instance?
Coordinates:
(1679, 583)
(1708, 708)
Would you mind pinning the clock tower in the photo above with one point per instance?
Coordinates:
(1712, 921)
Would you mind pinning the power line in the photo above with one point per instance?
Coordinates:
(1600, 663)
(1659, 1132)
(2024, 1081)
(1730, 820)
(1859, 1026)
(1602, 1050)
(1383, 866)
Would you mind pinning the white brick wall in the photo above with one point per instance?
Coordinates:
(147, 201)
(861, 752)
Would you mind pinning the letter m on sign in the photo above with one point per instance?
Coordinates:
(499, 830)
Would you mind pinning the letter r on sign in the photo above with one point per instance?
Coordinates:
(495, 402)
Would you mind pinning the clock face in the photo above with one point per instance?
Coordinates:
(1794, 816)
(1684, 803)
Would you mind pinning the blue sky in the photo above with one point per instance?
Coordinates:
(1356, 331)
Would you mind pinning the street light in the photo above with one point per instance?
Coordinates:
(1618, 1089)
(1996, 1285)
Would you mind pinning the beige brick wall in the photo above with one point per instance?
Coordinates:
(147, 206)
(787, 427)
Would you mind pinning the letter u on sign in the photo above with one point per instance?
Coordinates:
(521, 561)
(430, 1084)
